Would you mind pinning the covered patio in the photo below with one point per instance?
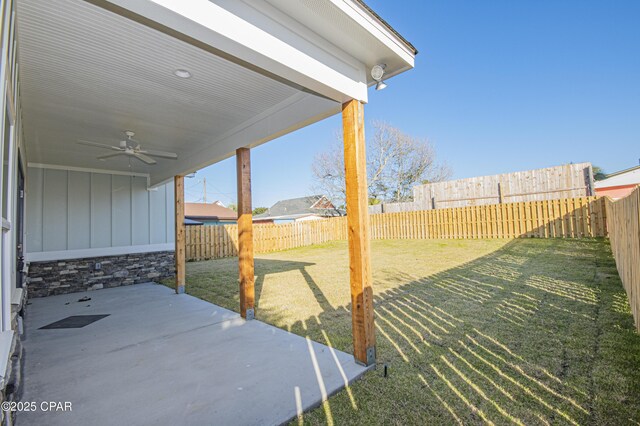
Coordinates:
(160, 358)
(111, 103)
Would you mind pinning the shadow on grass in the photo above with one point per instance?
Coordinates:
(536, 332)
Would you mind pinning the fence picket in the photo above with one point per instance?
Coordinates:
(623, 225)
(566, 218)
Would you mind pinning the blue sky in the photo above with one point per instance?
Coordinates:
(499, 86)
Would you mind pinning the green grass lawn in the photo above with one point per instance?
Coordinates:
(476, 331)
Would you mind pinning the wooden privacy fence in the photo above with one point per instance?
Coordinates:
(566, 218)
(214, 242)
(623, 223)
(567, 181)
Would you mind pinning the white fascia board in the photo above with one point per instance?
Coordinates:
(294, 113)
(292, 58)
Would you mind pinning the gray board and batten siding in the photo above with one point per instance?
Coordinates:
(79, 212)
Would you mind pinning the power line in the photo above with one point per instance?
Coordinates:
(193, 191)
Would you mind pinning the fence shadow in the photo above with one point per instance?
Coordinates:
(536, 332)
(512, 337)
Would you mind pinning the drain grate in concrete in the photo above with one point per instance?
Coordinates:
(74, 321)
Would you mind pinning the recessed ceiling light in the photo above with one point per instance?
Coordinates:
(182, 73)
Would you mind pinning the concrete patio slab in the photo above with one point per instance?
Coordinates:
(162, 358)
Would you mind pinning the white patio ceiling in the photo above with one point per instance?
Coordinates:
(87, 72)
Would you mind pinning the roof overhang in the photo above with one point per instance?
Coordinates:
(92, 69)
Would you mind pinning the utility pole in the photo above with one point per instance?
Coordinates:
(204, 185)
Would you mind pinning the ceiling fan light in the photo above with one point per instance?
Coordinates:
(130, 148)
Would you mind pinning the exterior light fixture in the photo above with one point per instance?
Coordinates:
(380, 85)
(376, 73)
(182, 73)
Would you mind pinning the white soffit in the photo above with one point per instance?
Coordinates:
(88, 73)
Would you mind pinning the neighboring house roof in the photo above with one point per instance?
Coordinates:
(317, 205)
(629, 176)
(205, 211)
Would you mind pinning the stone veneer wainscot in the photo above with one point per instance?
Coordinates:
(50, 278)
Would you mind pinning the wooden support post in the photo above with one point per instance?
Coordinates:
(245, 234)
(355, 162)
(180, 238)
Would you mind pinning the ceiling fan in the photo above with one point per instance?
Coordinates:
(132, 148)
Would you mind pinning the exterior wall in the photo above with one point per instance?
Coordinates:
(11, 144)
(219, 222)
(615, 192)
(60, 277)
(620, 184)
(262, 221)
(312, 217)
(287, 220)
(74, 214)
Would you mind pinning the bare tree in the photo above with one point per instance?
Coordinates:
(395, 163)
(328, 171)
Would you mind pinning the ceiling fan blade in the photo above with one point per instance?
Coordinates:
(161, 154)
(99, 145)
(144, 158)
(104, 157)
